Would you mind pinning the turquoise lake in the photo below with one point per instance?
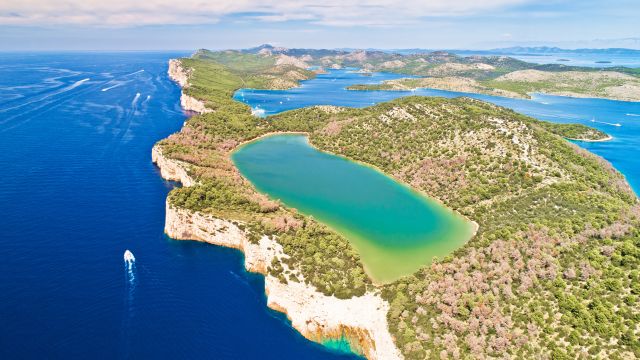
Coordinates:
(395, 229)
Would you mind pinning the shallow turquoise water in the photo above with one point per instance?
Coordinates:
(395, 229)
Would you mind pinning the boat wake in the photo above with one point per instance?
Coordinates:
(629, 114)
(136, 72)
(134, 102)
(116, 84)
(605, 123)
(47, 96)
(130, 266)
(130, 275)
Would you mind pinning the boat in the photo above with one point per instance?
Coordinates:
(128, 257)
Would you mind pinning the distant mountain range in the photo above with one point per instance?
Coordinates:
(515, 50)
(528, 50)
(556, 50)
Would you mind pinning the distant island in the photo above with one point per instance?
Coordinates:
(491, 75)
(519, 50)
(552, 271)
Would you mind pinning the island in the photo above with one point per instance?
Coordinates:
(492, 75)
(550, 272)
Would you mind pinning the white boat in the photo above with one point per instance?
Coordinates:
(128, 257)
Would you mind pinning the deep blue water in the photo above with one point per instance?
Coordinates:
(78, 189)
(329, 89)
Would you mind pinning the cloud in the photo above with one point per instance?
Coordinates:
(125, 13)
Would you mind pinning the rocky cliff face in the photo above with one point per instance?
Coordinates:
(190, 103)
(172, 170)
(361, 320)
(180, 75)
(177, 73)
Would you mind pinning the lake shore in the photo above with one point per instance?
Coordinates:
(373, 246)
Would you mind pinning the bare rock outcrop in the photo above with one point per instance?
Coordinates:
(181, 75)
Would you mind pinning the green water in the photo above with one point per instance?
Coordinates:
(395, 229)
(341, 345)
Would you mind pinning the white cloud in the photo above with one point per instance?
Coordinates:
(163, 12)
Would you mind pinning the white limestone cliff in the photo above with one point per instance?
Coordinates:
(361, 320)
(181, 75)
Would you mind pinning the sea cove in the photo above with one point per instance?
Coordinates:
(395, 229)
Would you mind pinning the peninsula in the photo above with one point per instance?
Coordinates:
(552, 271)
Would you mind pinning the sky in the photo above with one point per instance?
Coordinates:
(385, 24)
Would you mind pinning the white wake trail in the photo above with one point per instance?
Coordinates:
(54, 93)
(130, 274)
(135, 100)
(606, 123)
(117, 84)
(130, 266)
(146, 100)
(133, 73)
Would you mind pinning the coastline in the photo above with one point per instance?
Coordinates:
(178, 74)
(362, 321)
(608, 138)
(455, 87)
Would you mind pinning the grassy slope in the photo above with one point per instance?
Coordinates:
(575, 131)
(561, 84)
(217, 75)
(552, 271)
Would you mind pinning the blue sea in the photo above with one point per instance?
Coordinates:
(76, 131)
(619, 119)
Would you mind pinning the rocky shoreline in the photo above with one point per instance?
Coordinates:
(449, 83)
(608, 138)
(180, 75)
(361, 320)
